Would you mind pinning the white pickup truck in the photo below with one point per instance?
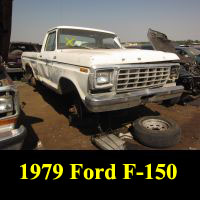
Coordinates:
(105, 75)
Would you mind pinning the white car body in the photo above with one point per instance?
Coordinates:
(80, 67)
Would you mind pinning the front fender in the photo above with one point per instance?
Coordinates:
(77, 78)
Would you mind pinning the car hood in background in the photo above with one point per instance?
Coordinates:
(160, 42)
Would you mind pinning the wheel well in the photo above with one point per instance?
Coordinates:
(66, 86)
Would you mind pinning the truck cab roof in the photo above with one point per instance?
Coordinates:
(80, 28)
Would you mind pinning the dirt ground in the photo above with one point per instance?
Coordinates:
(45, 116)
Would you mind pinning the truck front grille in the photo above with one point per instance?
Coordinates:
(138, 78)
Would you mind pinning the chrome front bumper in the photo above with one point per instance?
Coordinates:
(111, 102)
(13, 140)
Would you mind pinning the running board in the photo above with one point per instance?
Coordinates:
(109, 142)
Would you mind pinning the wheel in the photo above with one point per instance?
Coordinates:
(32, 81)
(29, 77)
(156, 132)
(171, 102)
(78, 111)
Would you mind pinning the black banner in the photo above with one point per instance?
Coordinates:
(109, 167)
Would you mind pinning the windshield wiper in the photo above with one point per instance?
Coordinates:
(104, 48)
(81, 47)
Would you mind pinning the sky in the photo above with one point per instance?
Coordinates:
(129, 19)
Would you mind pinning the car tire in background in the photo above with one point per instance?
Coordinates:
(156, 132)
(171, 102)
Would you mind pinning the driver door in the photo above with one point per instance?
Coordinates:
(45, 57)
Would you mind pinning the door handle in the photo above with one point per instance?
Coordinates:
(54, 57)
(40, 56)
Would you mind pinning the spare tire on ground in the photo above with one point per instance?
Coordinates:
(156, 131)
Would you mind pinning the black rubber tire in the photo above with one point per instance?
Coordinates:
(157, 138)
(29, 77)
(81, 111)
(171, 102)
(80, 107)
(33, 82)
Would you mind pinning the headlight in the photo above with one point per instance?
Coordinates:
(6, 104)
(103, 77)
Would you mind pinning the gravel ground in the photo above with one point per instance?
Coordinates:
(44, 113)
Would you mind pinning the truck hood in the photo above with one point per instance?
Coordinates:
(93, 57)
(160, 42)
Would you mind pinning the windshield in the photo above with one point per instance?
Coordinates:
(83, 39)
(193, 52)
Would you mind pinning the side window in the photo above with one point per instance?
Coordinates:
(183, 53)
(179, 51)
(109, 43)
(51, 42)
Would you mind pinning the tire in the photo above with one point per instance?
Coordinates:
(156, 132)
(171, 102)
(33, 82)
(78, 110)
(29, 77)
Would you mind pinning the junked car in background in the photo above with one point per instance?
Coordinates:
(189, 60)
(198, 48)
(189, 52)
(12, 135)
(142, 46)
(14, 64)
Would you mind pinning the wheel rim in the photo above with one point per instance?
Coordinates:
(156, 124)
